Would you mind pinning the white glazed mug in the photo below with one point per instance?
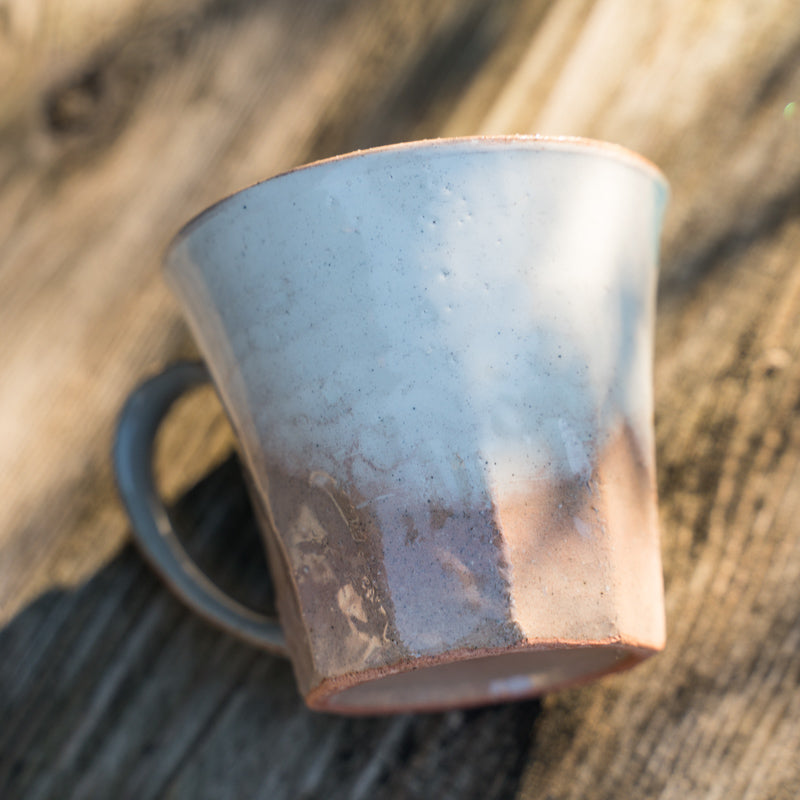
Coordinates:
(436, 358)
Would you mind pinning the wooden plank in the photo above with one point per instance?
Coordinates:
(107, 686)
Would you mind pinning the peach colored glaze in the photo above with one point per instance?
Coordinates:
(437, 359)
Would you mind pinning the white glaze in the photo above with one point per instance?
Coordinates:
(406, 307)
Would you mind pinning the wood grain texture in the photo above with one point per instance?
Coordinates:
(123, 119)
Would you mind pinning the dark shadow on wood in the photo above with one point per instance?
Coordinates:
(113, 689)
(682, 277)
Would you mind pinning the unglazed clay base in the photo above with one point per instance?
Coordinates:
(477, 680)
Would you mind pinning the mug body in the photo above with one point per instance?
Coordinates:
(437, 361)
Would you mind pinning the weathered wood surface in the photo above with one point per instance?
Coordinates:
(118, 121)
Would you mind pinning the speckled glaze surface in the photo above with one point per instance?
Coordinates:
(437, 360)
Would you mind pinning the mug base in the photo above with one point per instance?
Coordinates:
(483, 677)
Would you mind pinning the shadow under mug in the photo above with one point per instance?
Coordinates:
(437, 360)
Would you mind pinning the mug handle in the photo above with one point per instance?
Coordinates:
(133, 456)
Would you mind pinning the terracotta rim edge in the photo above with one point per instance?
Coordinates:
(545, 142)
(319, 696)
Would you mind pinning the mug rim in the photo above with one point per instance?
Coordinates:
(536, 141)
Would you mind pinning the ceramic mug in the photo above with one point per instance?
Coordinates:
(437, 361)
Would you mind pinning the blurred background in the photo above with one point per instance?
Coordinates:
(119, 120)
